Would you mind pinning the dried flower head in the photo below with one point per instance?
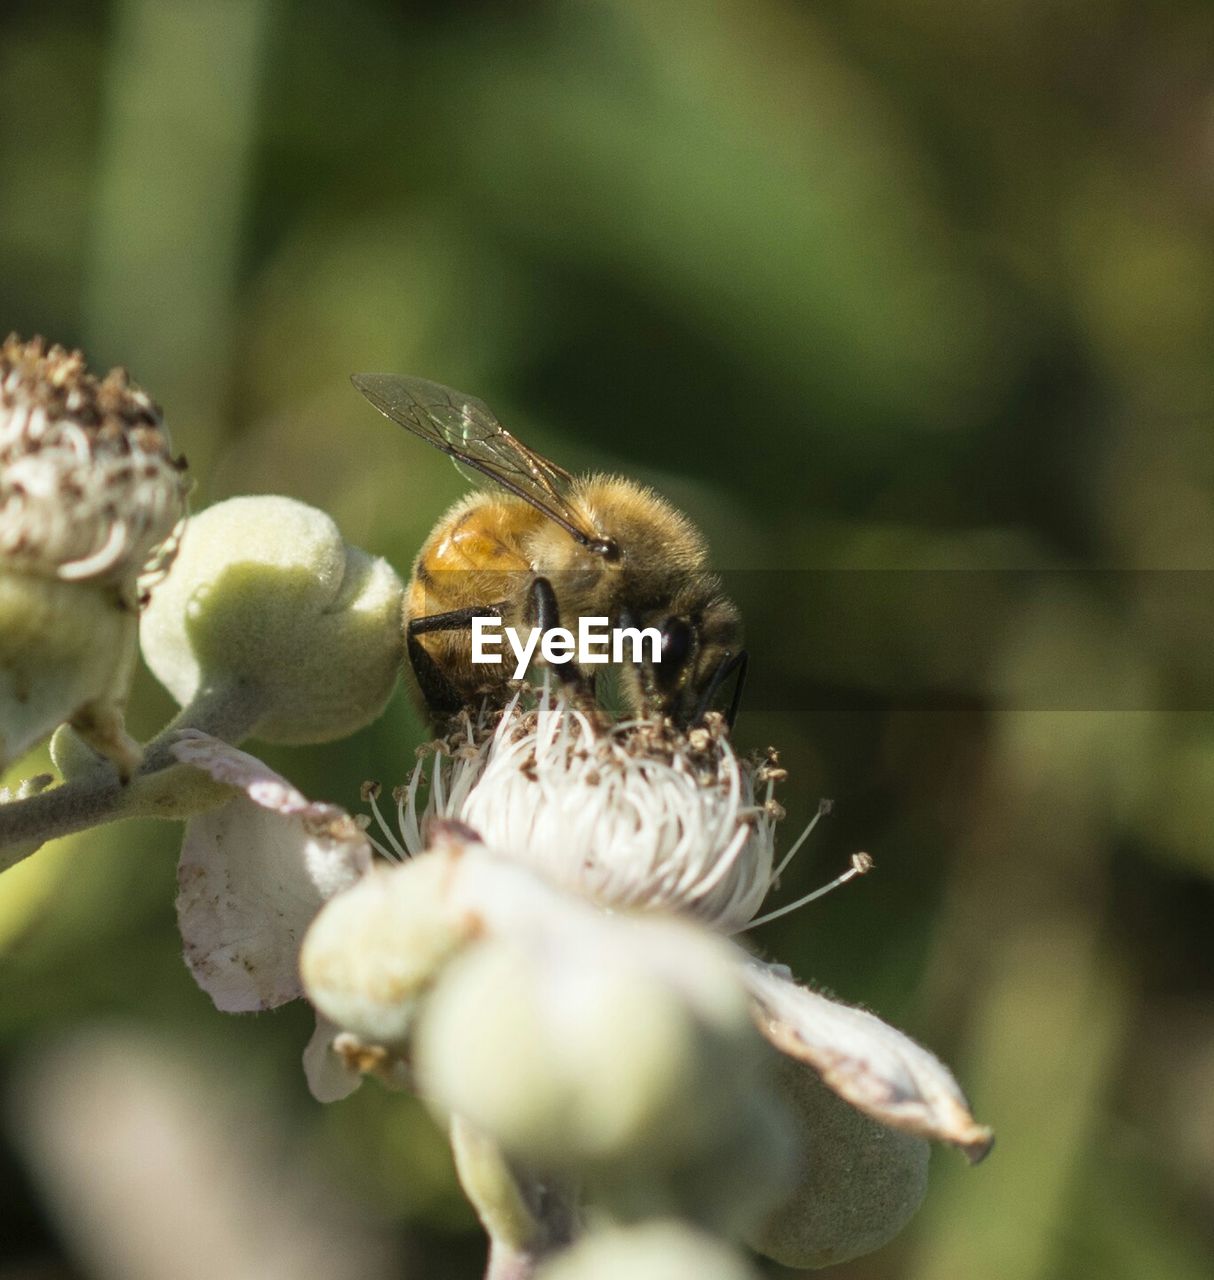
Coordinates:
(89, 489)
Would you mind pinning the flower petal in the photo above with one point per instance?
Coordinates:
(252, 875)
(865, 1061)
(330, 1076)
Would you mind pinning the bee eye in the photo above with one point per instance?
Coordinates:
(608, 548)
(676, 647)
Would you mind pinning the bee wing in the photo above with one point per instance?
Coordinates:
(465, 429)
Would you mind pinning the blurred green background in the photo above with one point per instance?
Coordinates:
(911, 307)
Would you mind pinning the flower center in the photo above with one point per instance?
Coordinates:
(634, 816)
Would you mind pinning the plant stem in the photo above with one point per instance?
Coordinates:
(527, 1218)
(98, 796)
(507, 1263)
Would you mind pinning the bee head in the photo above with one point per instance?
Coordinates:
(699, 655)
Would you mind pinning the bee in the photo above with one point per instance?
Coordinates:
(544, 546)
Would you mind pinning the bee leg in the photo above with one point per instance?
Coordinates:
(651, 702)
(725, 668)
(456, 620)
(543, 608)
(735, 703)
(645, 676)
(442, 698)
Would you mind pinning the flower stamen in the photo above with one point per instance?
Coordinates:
(861, 864)
(395, 851)
(824, 807)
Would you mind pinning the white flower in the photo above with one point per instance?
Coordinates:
(90, 499)
(89, 489)
(632, 816)
(536, 886)
(253, 874)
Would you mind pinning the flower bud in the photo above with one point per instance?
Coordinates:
(654, 1251)
(89, 498)
(727, 1186)
(374, 948)
(67, 652)
(561, 1065)
(266, 598)
(624, 1053)
(859, 1182)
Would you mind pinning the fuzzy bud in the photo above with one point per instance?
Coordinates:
(655, 1251)
(624, 1053)
(859, 1182)
(373, 949)
(265, 598)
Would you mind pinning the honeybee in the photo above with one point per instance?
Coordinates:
(545, 548)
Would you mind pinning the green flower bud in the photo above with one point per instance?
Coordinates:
(89, 498)
(727, 1186)
(591, 1072)
(859, 1182)
(620, 1049)
(374, 948)
(654, 1251)
(67, 652)
(267, 602)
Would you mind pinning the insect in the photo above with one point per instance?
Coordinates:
(545, 546)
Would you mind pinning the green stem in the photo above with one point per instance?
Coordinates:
(506, 1263)
(527, 1218)
(158, 789)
